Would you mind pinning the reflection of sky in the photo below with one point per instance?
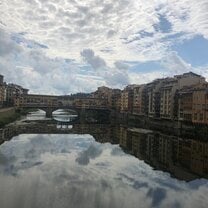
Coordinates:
(59, 115)
(64, 115)
(36, 115)
(75, 171)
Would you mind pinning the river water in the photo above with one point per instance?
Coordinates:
(94, 165)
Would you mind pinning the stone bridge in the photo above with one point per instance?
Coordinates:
(50, 103)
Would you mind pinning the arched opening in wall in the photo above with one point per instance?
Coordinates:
(64, 115)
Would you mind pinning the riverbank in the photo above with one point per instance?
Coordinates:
(9, 115)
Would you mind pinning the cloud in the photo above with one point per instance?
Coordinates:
(38, 36)
(134, 30)
(117, 151)
(109, 181)
(117, 78)
(32, 68)
(187, 16)
(75, 25)
(95, 61)
(114, 76)
(91, 153)
(121, 65)
(175, 64)
(157, 195)
(7, 45)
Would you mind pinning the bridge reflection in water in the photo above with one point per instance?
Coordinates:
(184, 159)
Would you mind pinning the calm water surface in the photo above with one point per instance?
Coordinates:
(59, 115)
(101, 166)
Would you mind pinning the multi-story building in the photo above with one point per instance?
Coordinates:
(167, 98)
(153, 98)
(139, 100)
(13, 91)
(188, 79)
(168, 93)
(2, 95)
(158, 99)
(118, 103)
(114, 100)
(127, 96)
(200, 104)
(185, 104)
(112, 96)
(193, 104)
(102, 92)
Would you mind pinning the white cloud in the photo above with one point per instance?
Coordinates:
(40, 35)
(33, 69)
(95, 61)
(67, 27)
(107, 179)
(172, 64)
(187, 16)
(116, 77)
(175, 64)
(7, 46)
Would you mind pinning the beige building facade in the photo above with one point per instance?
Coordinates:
(185, 104)
(200, 105)
(168, 97)
(139, 100)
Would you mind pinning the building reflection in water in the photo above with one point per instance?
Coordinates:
(184, 159)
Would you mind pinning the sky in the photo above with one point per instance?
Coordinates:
(70, 46)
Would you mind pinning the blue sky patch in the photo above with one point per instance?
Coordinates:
(20, 39)
(193, 51)
(164, 25)
(146, 67)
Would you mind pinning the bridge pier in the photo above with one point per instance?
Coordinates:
(49, 112)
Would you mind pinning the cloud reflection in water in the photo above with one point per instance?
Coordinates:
(75, 171)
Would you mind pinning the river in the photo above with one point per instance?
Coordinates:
(99, 165)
